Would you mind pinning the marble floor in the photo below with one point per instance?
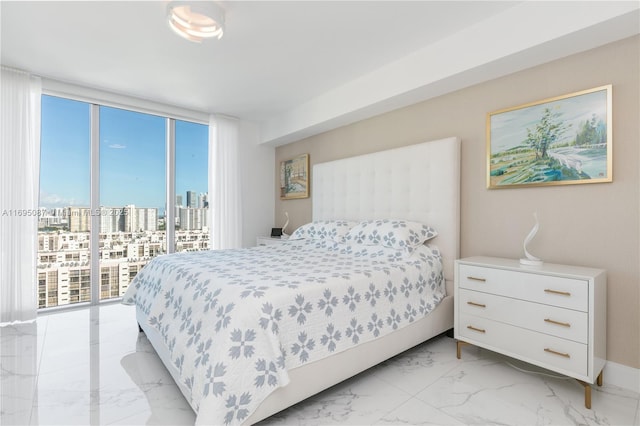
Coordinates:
(91, 366)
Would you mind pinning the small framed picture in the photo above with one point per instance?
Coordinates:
(294, 178)
(559, 141)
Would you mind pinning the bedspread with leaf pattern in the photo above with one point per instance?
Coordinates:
(235, 321)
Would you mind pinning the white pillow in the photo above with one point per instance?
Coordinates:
(334, 230)
(398, 234)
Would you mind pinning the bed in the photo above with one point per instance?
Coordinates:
(294, 319)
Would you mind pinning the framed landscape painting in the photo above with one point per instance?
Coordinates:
(294, 177)
(559, 141)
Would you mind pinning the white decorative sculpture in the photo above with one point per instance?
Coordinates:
(531, 260)
(284, 234)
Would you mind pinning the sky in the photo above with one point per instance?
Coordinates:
(509, 129)
(132, 156)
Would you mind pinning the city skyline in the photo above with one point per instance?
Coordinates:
(132, 166)
(54, 215)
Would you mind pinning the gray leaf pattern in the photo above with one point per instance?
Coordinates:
(300, 309)
(354, 331)
(242, 343)
(270, 316)
(302, 347)
(262, 311)
(213, 384)
(237, 408)
(331, 338)
(266, 373)
(401, 235)
(327, 303)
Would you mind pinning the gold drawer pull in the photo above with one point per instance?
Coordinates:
(551, 351)
(564, 324)
(562, 293)
(477, 279)
(479, 330)
(480, 305)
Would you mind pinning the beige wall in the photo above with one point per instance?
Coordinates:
(592, 225)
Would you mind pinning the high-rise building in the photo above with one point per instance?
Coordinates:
(54, 217)
(179, 200)
(192, 201)
(147, 219)
(202, 200)
(130, 219)
(111, 219)
(193, 218)
(79, 219)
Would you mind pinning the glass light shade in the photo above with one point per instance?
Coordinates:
(196, 20)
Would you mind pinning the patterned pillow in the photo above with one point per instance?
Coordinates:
(334, 230)
(397, 234)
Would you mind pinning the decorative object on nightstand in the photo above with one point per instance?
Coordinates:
(552, 316)
(276, 232)
(531, 260)
(284, 234)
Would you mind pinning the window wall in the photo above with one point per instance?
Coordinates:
(132, 194)
(192, 180)
(103, 201)
(64, 226)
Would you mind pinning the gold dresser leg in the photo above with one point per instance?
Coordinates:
(587, 390)
(459, 344)
(587, 393)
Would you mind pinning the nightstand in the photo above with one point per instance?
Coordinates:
(553, 316)
(266, 241)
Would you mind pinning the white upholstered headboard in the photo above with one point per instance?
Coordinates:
(418, 182)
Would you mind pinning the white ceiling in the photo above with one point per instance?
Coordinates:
(300, 67)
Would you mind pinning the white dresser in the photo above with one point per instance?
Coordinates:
(553, 316)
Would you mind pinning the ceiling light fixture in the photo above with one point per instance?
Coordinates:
(196, 20)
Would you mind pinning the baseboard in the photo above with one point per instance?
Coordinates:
(622, 376)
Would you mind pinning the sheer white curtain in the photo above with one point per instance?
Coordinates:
(19, 187)
(225, 229)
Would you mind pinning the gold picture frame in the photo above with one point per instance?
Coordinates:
(294, 178)
(563, 140)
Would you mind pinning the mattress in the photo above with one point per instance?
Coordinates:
(233, 323)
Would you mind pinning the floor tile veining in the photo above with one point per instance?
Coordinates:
(91, 367)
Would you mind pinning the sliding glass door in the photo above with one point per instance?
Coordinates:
(132, 195)
(104, 179)
(63, 266)
(192, 195)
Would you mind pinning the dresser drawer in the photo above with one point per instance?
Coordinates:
(550, 290)
(564, 356)
(559, 322)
